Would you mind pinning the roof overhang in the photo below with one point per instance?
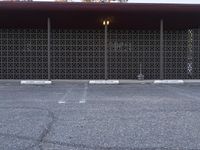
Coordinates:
(91, 15)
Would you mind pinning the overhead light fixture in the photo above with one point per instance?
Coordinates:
(106, 22)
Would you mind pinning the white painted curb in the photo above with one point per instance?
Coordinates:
(104, 82)
(168, 82)
(36, 82)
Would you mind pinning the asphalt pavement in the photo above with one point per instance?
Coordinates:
(80, 116)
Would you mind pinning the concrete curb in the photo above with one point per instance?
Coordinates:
(195, 81)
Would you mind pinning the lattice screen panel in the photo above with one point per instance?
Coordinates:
(23, 54)
(77, 54)
(130, 49)
(176, 53)
(196, 53)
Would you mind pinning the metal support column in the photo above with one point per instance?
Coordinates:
(49, 47)
(106, 52)
(161, 51)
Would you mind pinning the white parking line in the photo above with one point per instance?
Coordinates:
(182, 92)
(61, 102)
(63, 98)
(83, 100)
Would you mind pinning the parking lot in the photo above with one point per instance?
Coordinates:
(80, 116)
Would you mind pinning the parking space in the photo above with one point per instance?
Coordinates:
(80, 116)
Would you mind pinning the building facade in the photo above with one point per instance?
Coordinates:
(43, 40)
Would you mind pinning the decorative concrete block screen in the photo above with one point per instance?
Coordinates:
(80, 54)
(130, 50)
(182, 54)
(23, 54)
(77, 54)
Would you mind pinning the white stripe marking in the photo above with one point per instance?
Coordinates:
(36, 82)
(83, 100)
(64, 97)
(61, 102)
(168, 82)
(104, 82)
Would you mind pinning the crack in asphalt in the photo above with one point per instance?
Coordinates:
(41, 140)
(47, 129)
(80, 145)
(38, 141)
(97, 147)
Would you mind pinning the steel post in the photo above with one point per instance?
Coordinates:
(161, 51)
(49, 47)
(106, 52)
